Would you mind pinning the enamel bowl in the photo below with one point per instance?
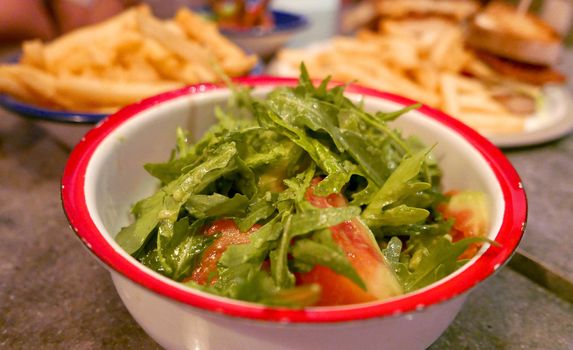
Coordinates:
(104, 177)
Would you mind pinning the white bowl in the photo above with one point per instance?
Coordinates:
(105, 176)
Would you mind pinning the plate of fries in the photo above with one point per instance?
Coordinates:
(427, 61)
(86, 74)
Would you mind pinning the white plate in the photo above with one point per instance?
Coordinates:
(553, 120)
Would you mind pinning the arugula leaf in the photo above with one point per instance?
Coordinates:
(259, 210)
(338, 171)
(400, 215)
(236, 281)
(257, 286)
(314, 253)
(162, 208)
(393, 250)
(179, 191)
(202, 206)
(186, 247)
(389, 116)
(317, 219)
(182, 142)
(433, 229)
(297, 297)
(305, 84)
(306, 111)
(280, 272)
(131, 238)
(257, 249)
(296, 189)
(177, 256)
(439, 258)
(322, 116)
(299, 224)
(195, 154)
(367, 156)
(321, 154)
(395, 188)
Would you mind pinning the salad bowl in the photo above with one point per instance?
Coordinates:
(104, 177)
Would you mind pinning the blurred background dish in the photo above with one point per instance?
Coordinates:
(76, 80)
(46, 114)
(253, 25)
(66, 127)
(265, 41)
(436, 52)
(133, 55)
(519, 46)
(552, 120)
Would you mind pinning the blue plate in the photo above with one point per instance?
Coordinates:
(42, 113)
(283, 22)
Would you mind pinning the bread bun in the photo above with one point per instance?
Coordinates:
(502, 31)
(458, 10)
(528, 73)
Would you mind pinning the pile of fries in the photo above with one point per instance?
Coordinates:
(422, 58)
(129, 57)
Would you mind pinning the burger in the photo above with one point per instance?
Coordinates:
(516, 45)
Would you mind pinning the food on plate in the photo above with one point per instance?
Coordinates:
(366, 14)
(242, 14)
(517, 45)
(122, 60)
(424, 54)
(302, 198)
(455, 9)
(426, 65)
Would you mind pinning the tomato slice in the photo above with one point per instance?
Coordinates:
(229, 234)
(362, 250)
(335, 289)
(469, 209)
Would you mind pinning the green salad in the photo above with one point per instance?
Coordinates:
(302, 198)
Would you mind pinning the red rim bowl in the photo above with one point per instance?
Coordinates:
(509, 235)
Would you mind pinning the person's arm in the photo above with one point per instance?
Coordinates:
(25, 19)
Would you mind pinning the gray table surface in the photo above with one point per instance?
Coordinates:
(53, 294)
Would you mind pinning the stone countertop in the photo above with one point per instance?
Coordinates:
(547, 175)
(53, 294)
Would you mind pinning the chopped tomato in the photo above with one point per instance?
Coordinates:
(335, 289)
(469, 210)
(362, 251)
(229, 234)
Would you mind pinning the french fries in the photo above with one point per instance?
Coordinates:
(424, 59)
(122, 60)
